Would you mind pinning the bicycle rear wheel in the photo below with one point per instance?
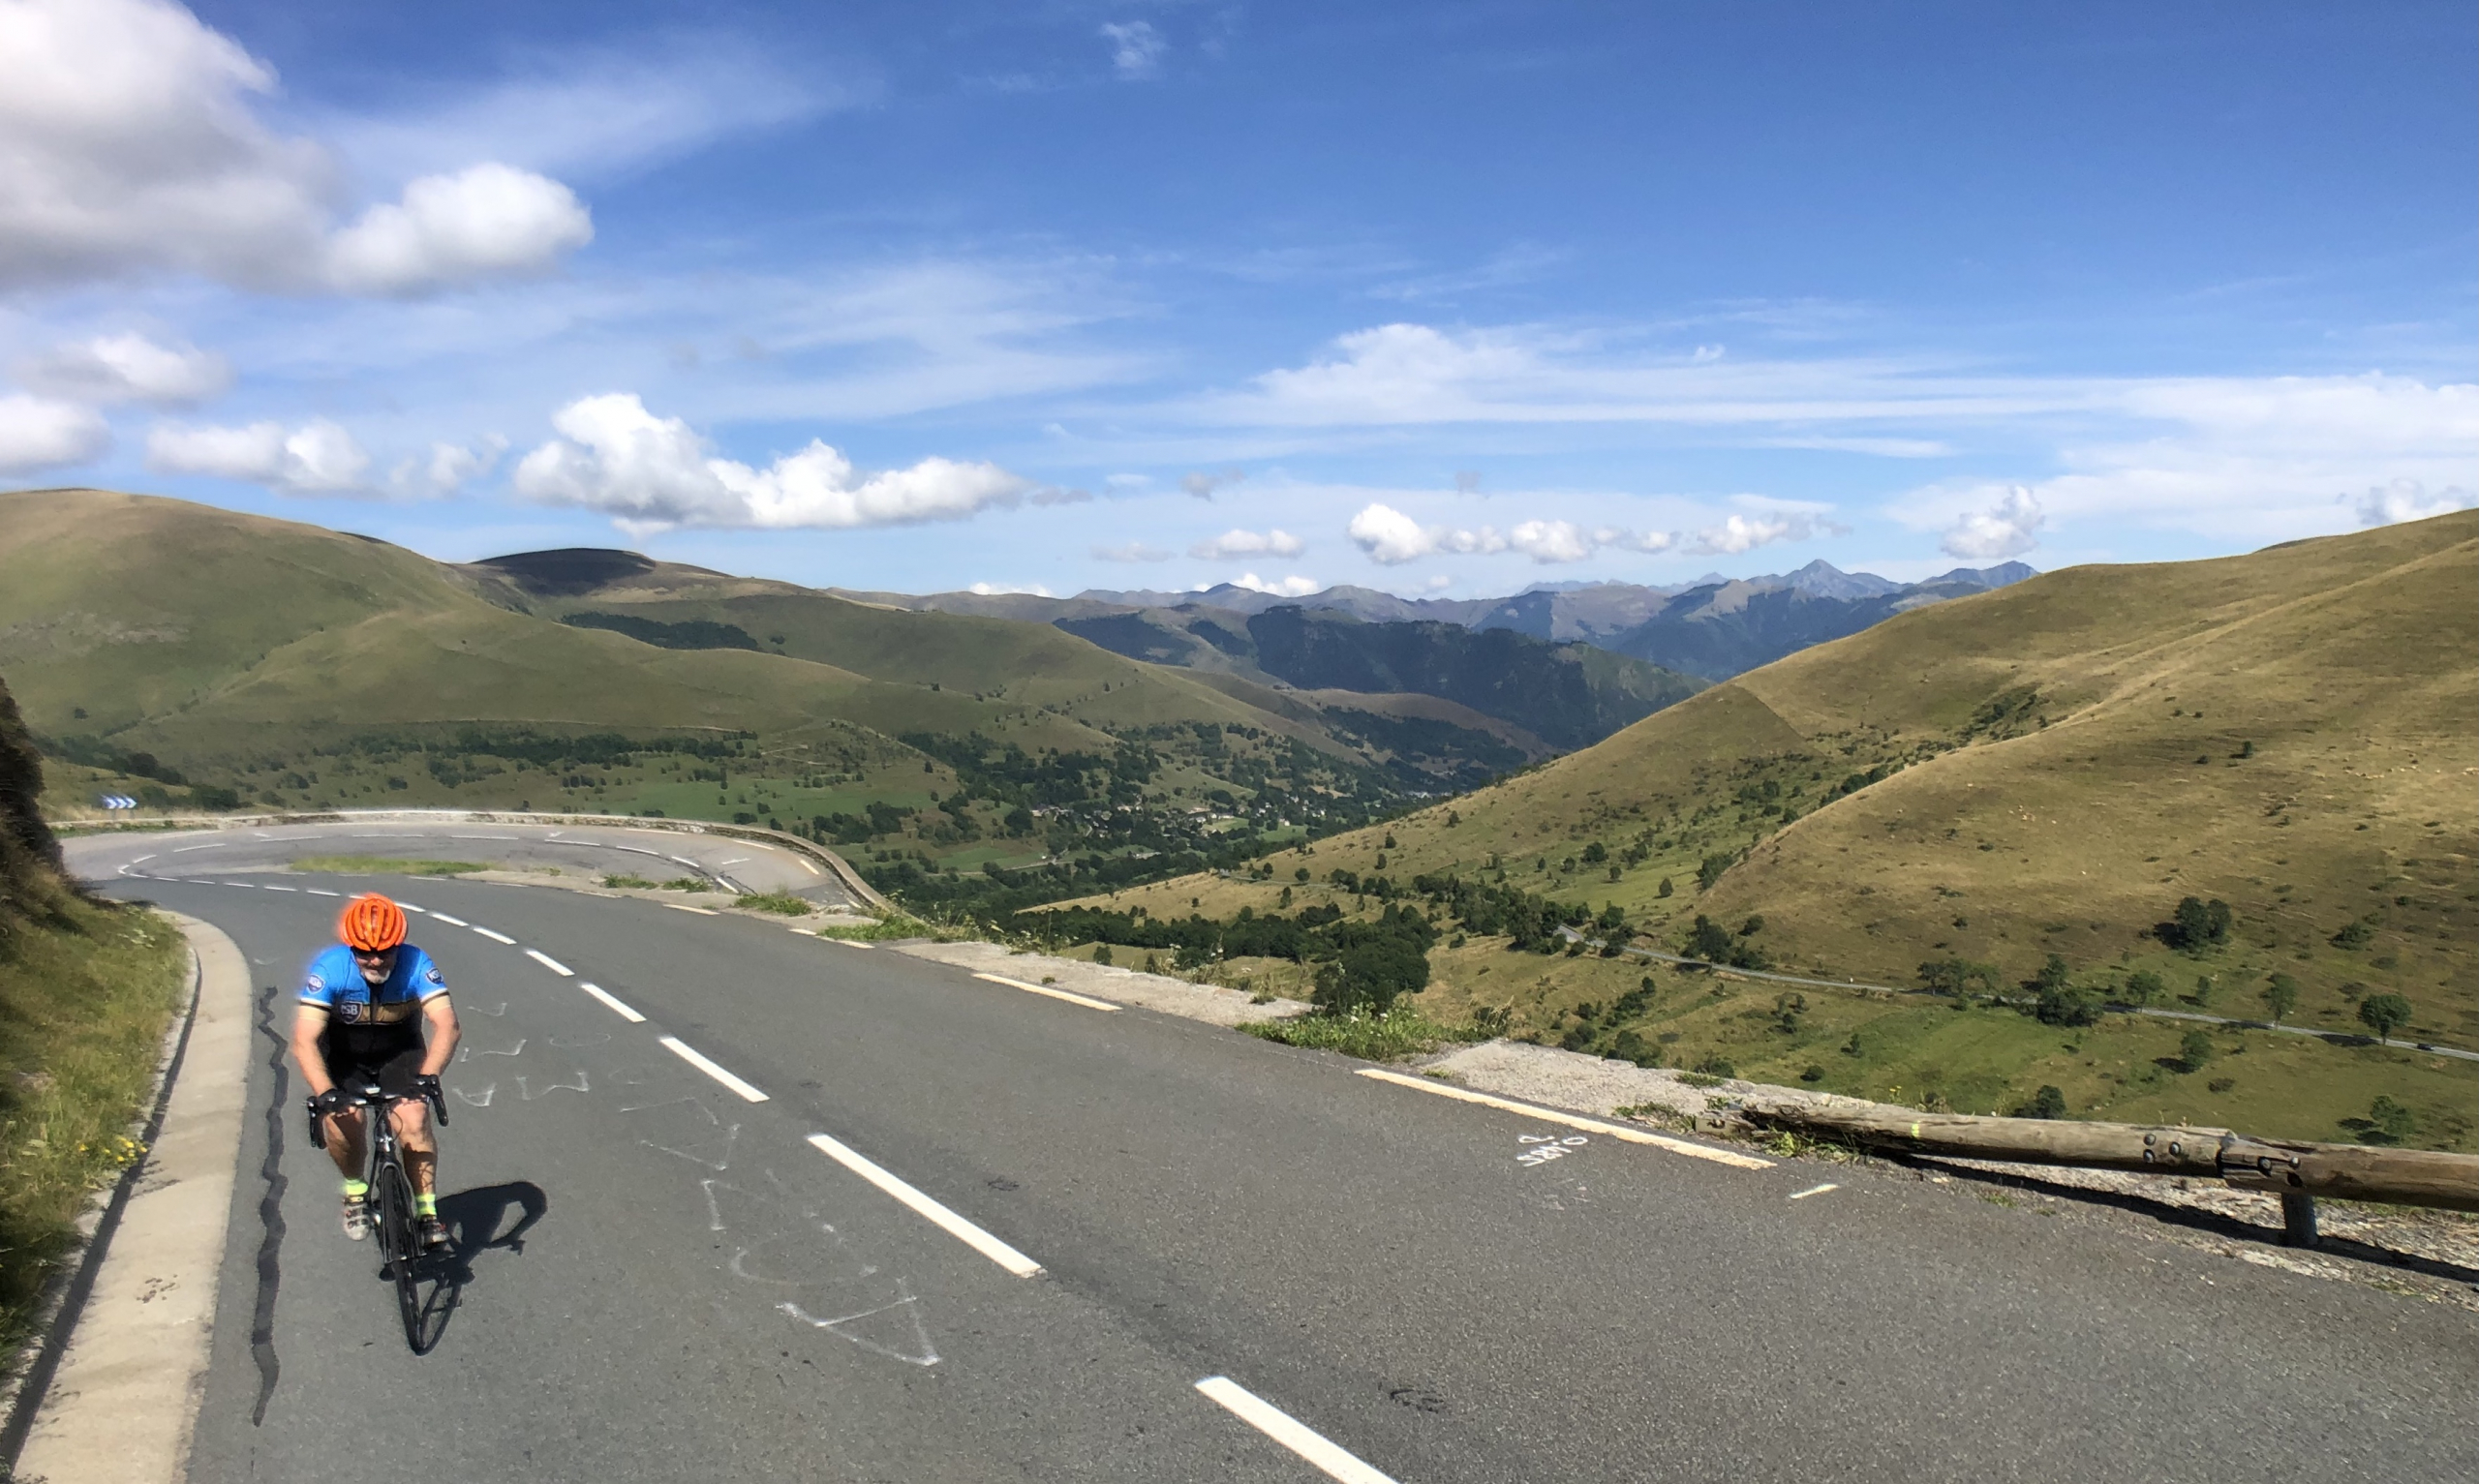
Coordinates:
(401, 1244)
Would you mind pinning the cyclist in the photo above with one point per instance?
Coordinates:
(364, 1004)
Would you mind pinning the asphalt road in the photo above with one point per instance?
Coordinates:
(738, 865)
(664, 1281)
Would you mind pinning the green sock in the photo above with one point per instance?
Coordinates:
(356, 1189)
(427, 1204)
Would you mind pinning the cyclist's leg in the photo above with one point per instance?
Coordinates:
(344, 1143)
(412, 1120)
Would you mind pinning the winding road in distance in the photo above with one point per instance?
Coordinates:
(733, 1202)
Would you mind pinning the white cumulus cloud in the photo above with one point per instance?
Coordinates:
(317, 458)
(1392, 537)
(1202, 485)
(653, 472)
(1136, 47)
(129, 368)
(447, 468)
(1293, 586)
(131, 145)
(2006, 529)
(488, 221)
(1250, 543)
(2407, 500)
(40, 433)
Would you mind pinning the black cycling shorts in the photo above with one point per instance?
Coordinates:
(393, 1065)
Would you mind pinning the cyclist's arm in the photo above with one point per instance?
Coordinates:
(309, 1023)
(440, 1046)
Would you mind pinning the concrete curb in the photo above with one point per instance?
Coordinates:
(132, 1350)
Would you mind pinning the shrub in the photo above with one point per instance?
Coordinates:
(2197, 926)
(1814, 1073)
(1665, 888)
(1102, 955)
(1958, 976)
(2194, 1049)
(2047, 1102)
(2384, 1014)
(2387, 1122)
(2062, 1005)
(783, 903)
(2280, 996)
(1710, 869)
(1715, 1065)
(2353, 935)
(2143, 986)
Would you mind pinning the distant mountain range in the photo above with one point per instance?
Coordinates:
(1714, 628)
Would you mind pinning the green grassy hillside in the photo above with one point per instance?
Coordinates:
(196, 657)
(2045, 770)
(85, 993)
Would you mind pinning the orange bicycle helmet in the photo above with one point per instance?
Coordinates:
(371, 923)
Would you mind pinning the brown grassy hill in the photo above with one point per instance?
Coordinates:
(2054, 766)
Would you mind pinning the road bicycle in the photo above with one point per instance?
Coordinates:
(390, 1200)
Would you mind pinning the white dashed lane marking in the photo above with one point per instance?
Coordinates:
(495, 937)
(1588, 1125)
(315, 891)
(452, 922)
(549, 962)
(1814, 1190)
(924, 1206)
(1055, 995)
(697, 1059)
(685, 907)
(608, 998)
(1255, 1410)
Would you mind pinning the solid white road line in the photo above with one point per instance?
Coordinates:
(550, 963)
(1590, 1125)
(804, 859)
(495, 937)
(1814, 1190)
(937, 1215)
(685, 907)
(690, 1054)
(837, 942)
(612, 1000)
(452, 922)
(1053, 994)
(1280, 1426)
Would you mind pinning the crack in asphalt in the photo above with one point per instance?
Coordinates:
(270, 1216)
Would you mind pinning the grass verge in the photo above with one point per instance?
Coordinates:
(782, 903)
(1398, 1033)
(882, 929)
(85, 994)
(382, 865)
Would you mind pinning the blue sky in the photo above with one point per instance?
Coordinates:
(1448, 298)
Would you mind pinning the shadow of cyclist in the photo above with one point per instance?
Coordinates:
(475, 1221)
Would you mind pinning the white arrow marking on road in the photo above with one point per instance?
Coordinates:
(612, 1000)
(495, 937)
(1280, 1426)
(937, 1215)
(1055, 995)
(550, 963)
(1588, 1125)
(690, 1054)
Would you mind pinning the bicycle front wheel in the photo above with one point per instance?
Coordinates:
(401, 1244)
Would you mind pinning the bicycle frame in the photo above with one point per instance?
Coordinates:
(389, 1186)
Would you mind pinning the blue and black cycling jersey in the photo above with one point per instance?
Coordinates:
(368, 1023)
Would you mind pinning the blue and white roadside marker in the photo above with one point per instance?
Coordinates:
(118, 802)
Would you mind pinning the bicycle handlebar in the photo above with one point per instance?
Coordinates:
(370, 1096)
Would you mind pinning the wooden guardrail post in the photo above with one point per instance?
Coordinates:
(2295, 1171)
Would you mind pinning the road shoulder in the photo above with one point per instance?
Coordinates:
(124, 1400)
